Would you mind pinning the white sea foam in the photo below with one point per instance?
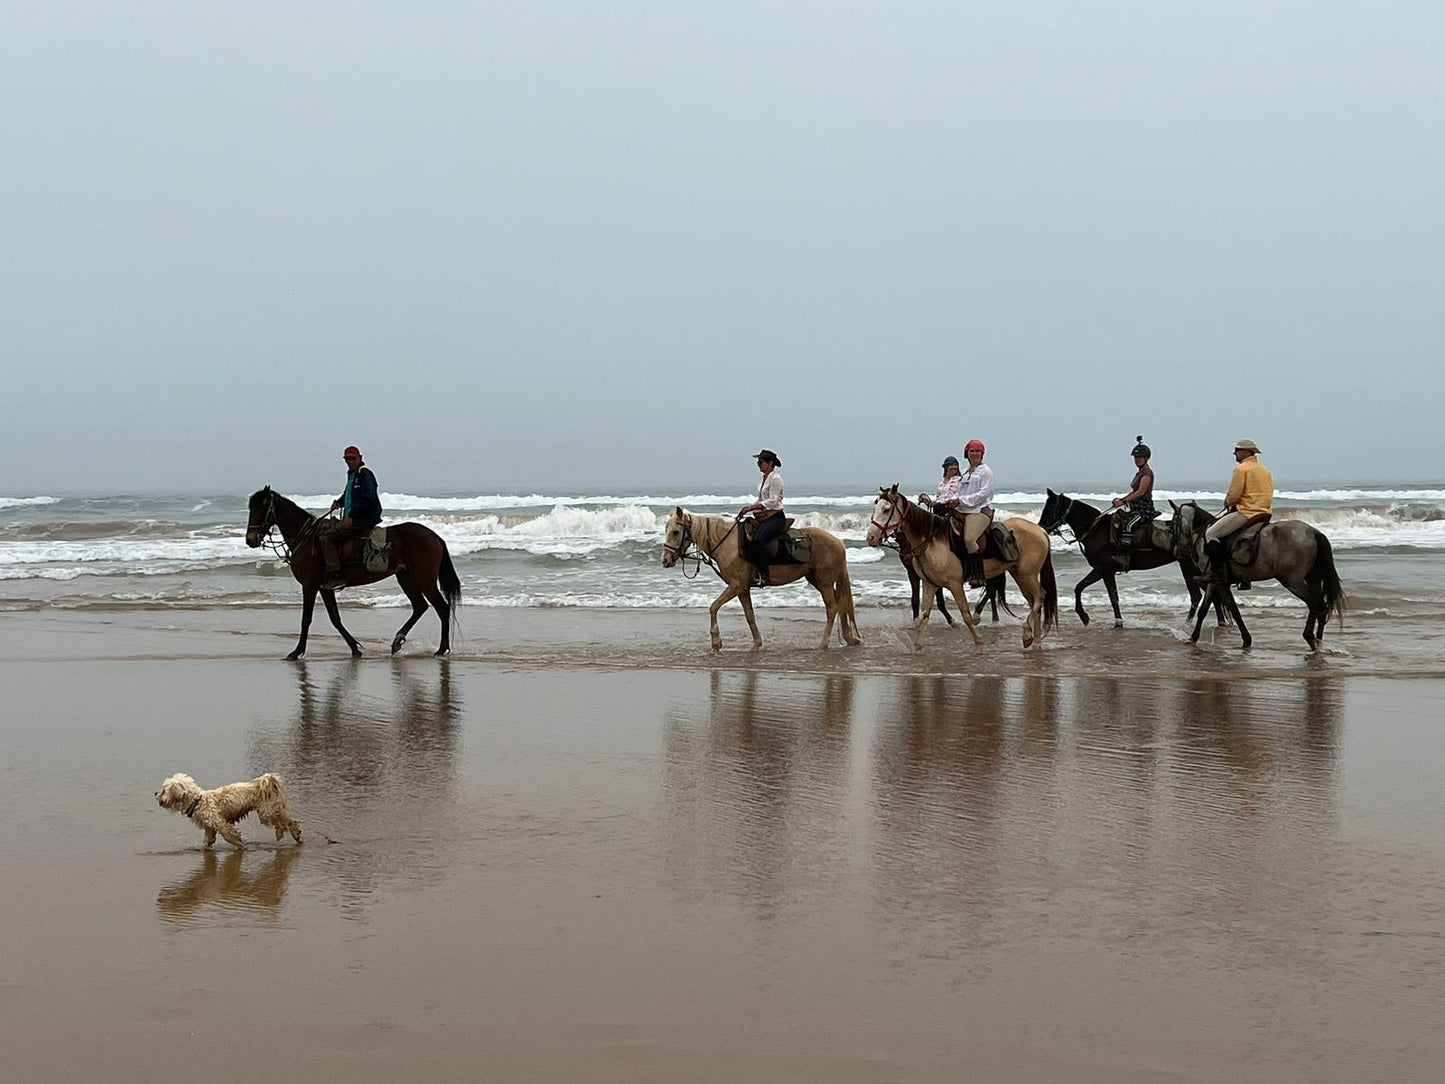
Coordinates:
(27, 502)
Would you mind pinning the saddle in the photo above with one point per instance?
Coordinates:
(371, 550)
(792, 547)
(1148, 535)
(1244, 543)
(998, 542)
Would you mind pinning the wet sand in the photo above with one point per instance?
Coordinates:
(642, 862)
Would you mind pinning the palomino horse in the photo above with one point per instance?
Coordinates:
(1290, 551)
(419, 561)
(936, 562)
(994, 594)
(1091, 530)
(719, 542)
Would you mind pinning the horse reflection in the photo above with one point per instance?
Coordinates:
(756, 795)
(223, 881)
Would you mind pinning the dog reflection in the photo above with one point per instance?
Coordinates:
(224, 881)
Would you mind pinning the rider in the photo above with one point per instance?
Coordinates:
(1138, 503)
(976, 492)
(1251, 495)
(360, 512)
(950, 488)
(767, 511)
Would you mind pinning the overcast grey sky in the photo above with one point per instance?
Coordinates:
(566, 244)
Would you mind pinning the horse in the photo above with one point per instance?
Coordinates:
(1090, 528)
(419, 560)
(933, 557)
(719, 542)
(1290, 551)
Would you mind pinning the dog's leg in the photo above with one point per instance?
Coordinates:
(210, 836)
(231, 836)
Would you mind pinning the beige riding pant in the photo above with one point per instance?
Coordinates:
(974, 524)
(1225, 525)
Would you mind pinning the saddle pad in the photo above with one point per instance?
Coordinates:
(1244, 546)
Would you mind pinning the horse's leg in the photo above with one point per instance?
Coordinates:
(920, 627)
(830, 607)
(969, 617)
(329, 597)
(1194, 592)
(913, 582)
(431, 588)
(308, 607)
(1313, 599)
(418, 607)
(1238, 619)
(1209, 592)
(1111, 585)
(943, 607)
(1032, 590)
(1092, 578)
(729, 593)
(745, 596)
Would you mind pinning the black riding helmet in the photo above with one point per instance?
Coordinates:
(1141, 449)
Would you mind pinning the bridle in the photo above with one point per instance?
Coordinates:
(686, 541)
(268, 520)
(1065, 503)
(890, 527)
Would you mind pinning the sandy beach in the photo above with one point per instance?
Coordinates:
(587, 849)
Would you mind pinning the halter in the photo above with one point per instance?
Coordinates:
(893, 510)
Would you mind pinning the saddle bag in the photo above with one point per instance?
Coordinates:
(1004, 545)
(376, 551)
(1244, 546)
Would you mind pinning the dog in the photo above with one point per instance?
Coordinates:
(216, 812)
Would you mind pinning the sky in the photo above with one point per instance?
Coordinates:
(549, 245)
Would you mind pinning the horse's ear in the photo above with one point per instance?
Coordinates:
(678, 511)
(1174, 506)
(1050, 492)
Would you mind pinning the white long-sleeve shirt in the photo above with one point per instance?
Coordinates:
(977, 489)
(949, 489)
(770, 492)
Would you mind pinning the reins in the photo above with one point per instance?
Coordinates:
(284, 549)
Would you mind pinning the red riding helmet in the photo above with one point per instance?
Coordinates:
(975, 443)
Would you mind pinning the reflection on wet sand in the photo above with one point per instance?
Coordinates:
(757, 791)
(234, 881)
(372, 754)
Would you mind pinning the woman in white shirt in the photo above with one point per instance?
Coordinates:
(950, 489)
(975, 507)
(767, 510)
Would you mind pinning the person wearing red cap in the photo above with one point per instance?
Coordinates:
(360, 506)
(975, 507)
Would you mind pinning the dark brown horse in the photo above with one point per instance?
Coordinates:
(1091, 530)
(419, 560)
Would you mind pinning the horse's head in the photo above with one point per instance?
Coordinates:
(1056, 510)
(677, 537)
(262, 516)
(887, 515)
(1186, 530)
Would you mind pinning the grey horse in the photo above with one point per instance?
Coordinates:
(1290, 551)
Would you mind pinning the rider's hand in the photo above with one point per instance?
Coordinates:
(1118, 502)
(346, 521)
(335, 505)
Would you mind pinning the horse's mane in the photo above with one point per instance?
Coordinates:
(920, 520)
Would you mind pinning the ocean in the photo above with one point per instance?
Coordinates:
(602, 550)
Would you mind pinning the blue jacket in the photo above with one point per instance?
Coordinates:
(360, 499)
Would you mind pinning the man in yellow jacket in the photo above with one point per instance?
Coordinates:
(1251, 494)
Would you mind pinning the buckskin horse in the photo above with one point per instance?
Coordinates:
(419, 560)
(718, 541)
(1290, 551)
(1091, 528)
(933, 557)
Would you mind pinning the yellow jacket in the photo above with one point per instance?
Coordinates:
(1251, 489)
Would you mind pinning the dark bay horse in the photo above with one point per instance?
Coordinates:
(1091, 530)
(419, 561)
(1290, 551)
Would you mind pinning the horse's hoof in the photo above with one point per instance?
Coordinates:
(1083, 616)
(295, 655)
(442, 651)
(356, 652)
(396, 645)
(1119, 624)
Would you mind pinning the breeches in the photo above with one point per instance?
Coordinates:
(974, 524)
(768, 530)
(1225, 525)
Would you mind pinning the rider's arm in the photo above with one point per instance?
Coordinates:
(1236, 488)
(771, 498)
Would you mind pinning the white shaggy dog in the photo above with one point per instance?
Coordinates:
(215, 812)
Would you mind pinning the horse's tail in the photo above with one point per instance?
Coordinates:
(1051, 593)
(450, 583)
(843, 591)
(1324, 570)
(998, 589)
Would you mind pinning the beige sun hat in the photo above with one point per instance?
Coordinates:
(1246, 445)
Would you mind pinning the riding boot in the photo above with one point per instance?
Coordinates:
(762, 580)
(1218, 556)
(1125, 551)
(333, 578)
(973, 566)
